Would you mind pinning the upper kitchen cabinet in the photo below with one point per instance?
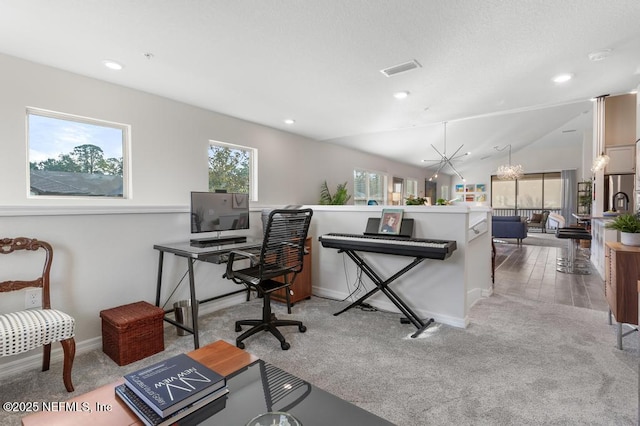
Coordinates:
(622, 160)
(620, 133)
(620, 120)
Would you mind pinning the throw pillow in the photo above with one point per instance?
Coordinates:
(536, 217)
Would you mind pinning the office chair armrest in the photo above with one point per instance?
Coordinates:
(243, 254)
(232, 258)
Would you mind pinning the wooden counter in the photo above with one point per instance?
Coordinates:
(219, 356)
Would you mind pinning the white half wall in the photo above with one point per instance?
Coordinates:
(439, 289)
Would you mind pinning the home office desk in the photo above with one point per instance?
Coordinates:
(218, 253)
(255, 387)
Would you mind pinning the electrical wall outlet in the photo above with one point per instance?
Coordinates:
(33, 298)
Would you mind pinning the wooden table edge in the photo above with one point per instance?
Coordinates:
(220, 356)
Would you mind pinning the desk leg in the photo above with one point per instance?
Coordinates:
(159, 285)
(194, 301)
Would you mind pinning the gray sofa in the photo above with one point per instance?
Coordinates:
(509, 227)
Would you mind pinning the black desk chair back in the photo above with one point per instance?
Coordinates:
(274, 267)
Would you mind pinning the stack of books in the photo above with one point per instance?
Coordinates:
(167, 391)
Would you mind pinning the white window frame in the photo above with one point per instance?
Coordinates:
(253, 165)
(385, 177)
(126, 152)
(408, 183)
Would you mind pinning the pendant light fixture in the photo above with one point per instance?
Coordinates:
(601, 161)
(509, 171)
(445, 160)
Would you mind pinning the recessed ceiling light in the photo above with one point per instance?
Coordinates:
(289, 121)
(112, 65)
(401, 95)
(599, 55)
(562, 78)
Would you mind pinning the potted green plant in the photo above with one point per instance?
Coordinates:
(629, 226)
(340, 197)
(415, 201)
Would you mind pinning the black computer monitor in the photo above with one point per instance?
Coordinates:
(215, 211)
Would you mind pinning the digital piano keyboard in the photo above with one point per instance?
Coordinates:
(417, 247)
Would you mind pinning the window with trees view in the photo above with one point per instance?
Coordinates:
(75, 156)
(233, 168)
(368, 185)
(411, 188)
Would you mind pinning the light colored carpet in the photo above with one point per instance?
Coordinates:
(520, 362)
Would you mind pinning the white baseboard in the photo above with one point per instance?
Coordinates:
(476, 294)
(389, 306)
(34, 361)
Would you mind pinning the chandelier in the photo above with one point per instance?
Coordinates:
(509, 171)
(445, 160)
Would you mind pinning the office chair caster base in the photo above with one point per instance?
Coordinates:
(285, 346)
(238, 328)
(302, 328)
(240, 345)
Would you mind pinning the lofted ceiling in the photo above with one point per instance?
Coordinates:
(486, 66)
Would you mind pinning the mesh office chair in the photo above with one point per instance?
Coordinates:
(275, 267)
(25, 330)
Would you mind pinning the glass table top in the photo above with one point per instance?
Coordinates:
(261, 388)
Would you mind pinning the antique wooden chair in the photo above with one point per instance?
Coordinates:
(28, 329)
(274, 267)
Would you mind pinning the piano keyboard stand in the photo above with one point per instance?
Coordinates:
(383, 286)
(420, 249)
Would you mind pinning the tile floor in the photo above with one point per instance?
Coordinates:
(530, 272)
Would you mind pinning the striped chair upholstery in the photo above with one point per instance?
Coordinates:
(25, 330)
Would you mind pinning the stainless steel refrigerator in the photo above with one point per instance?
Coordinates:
(619, 193)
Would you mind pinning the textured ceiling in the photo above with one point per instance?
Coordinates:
(486, 65)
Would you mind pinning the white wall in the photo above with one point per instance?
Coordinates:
(104, 254)
(548, 156)
(169, 142)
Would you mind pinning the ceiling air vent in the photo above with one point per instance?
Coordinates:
(400, 68)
